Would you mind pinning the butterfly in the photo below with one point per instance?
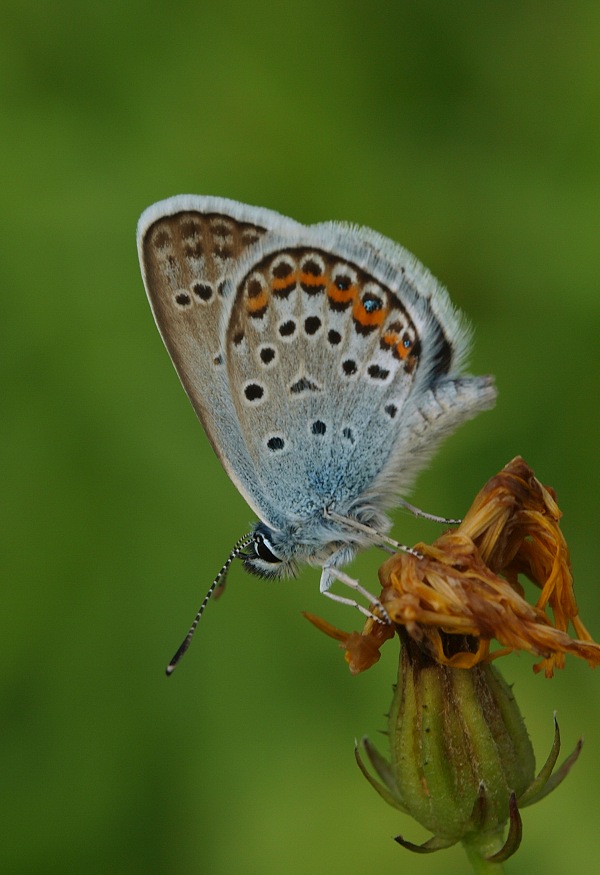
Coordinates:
(325, 363)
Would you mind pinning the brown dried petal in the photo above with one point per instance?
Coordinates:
(466, 584)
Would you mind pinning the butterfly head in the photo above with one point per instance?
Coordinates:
(267, 554)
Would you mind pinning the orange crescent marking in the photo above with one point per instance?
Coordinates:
(341, 296)
(361, 315)
(309, 279)
(254, 304)
(278, 284)
(402, 350)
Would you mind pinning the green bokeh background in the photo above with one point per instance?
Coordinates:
(469, 132)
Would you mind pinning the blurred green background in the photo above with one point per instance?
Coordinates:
(467, 131)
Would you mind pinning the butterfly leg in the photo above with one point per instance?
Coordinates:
(378, 537)
(331, 573)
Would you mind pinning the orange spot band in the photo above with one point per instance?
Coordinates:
(401, 350)
(341, 296)
(280, 283)
(257, 303)
(309, 279)
(376, 317)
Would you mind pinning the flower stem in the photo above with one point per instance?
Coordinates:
(478, 848)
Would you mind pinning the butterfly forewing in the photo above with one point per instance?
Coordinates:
(186, 259)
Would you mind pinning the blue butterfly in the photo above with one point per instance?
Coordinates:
(324, 362)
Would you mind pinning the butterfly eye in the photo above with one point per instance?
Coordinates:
(263, 552)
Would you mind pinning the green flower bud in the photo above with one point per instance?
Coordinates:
(460, 756)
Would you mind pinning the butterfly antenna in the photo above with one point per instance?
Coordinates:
(218, 581)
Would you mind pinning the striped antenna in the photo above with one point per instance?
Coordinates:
(219, 580)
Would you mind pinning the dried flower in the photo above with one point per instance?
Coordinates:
(465, 585)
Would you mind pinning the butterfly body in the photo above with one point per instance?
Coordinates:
(325, 363)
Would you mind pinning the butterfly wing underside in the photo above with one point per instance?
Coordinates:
(324, 362)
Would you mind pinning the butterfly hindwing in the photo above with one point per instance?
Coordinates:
(322, 359)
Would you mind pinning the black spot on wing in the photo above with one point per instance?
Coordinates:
(443, 355)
